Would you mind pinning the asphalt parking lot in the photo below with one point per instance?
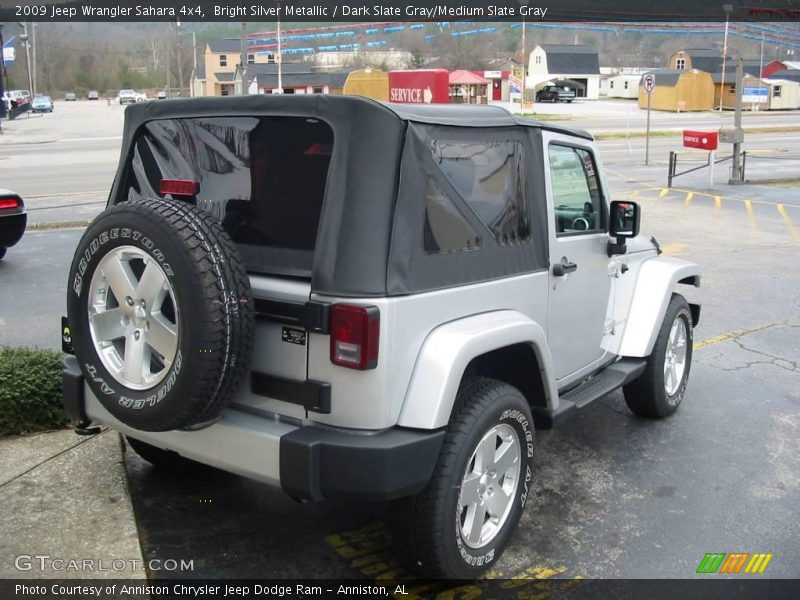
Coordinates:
(615, 496)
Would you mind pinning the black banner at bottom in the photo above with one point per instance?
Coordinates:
(521, 589)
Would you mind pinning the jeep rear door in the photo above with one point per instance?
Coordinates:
(264, 178)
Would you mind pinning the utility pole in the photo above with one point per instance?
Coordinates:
(33, 64)
(194, 62)
(3, 107)
(736, 173)
(523, 4)
(24, 38)
(243, 60)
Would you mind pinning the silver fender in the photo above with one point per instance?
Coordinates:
(655, 284)
(447, 351)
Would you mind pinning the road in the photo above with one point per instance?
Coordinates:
(33, 288)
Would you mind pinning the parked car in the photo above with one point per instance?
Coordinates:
(92, 95)
(141, 97)
(127, 97)
(383, 318)
(13, 219)
(555, 93)
(70, 97)
(19, 97)
(162, 95)
(42, 104)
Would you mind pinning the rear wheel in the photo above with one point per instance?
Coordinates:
(461, 523)
(2, 253)
(658, 392)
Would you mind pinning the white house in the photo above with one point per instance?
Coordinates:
(578, 65)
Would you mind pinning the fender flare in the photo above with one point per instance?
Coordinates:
(448, 350)
(656, 281)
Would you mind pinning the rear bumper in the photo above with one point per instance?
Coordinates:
(11, 228)
(309, 462)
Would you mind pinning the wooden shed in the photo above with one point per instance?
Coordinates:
(679, 90)
(372, 83)
(623, 86)
(784, 94)
(727, 91)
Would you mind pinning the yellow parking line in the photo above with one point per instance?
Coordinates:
(719, 339)
(689, 197)
(664, 192)
(782, 211)
(751, 215)
(718, 202)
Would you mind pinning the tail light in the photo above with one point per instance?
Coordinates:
(179, 187)
(355, 334)
(9, 202)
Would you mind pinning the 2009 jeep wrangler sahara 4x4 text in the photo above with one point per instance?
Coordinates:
(346, 298)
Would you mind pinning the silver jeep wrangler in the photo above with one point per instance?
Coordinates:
(340, 297)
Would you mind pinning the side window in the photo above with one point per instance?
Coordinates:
(577, 195)
(446, 229)
(490, 178)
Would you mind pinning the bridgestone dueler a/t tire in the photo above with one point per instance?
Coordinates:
(428, 534)
(215, 319)
(646, 396)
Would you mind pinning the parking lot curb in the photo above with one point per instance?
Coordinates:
(57, 225)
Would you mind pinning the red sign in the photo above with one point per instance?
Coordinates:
(705, 140)
(420, 86)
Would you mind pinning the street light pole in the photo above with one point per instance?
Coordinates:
(727, 8)
(180, 60)
(280, 56)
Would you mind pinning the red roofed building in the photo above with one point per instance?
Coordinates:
(468, 88)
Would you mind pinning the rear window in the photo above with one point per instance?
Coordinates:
(263, 178)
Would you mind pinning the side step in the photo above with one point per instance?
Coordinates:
(609, 379)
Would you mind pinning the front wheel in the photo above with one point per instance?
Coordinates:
(461, 523)
(659, 390)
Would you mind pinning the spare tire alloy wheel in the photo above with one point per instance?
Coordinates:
(133, 320)
(161, 314)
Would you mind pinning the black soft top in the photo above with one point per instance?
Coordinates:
(457, 115)
(367, 239)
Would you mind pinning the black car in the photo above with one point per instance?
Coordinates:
(555, 93)
(13, 219)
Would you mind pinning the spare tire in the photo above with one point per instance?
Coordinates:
(161, 313)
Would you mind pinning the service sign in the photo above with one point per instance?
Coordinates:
(423, 86)
(705, 140)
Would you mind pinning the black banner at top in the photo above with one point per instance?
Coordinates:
(398, 10)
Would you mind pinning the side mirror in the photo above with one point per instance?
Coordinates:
(623, 223)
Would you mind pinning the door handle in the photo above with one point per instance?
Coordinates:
(564, 267)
